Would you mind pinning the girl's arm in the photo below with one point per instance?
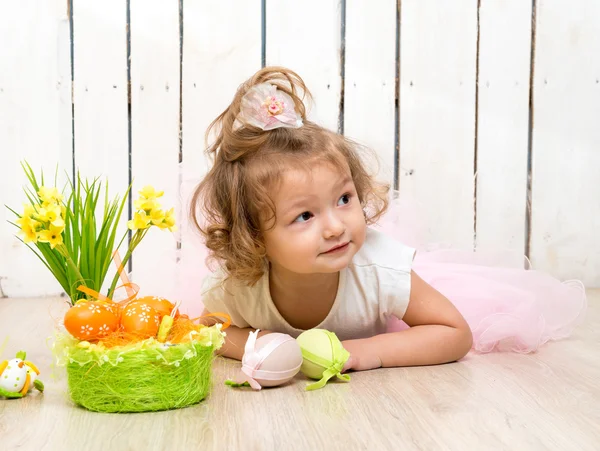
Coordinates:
(235, 339)
(438, 334)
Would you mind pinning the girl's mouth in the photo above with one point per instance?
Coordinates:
(338, 248)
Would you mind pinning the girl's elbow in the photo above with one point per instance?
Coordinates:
(464, 342)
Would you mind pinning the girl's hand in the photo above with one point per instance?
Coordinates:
(360, 358)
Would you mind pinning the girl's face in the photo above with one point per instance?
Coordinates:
(320, 223)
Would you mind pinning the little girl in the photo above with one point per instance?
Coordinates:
(285, 210)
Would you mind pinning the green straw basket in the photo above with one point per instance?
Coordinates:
(142, 377)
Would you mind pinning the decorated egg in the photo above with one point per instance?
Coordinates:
(140, 319)
(323, 356)
(18, 377)
(161, 305)
(91, 320)
(269, 361)
(13, 378)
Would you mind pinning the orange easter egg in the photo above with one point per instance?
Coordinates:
(140, 319)
(91, 320)
(161, 305)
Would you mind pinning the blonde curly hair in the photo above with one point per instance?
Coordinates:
(230, 204)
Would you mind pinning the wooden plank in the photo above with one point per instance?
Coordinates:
(220, 51)
(307, 39)
(155, 132)
(100, 95)
(503, 123)
(35, 125)
(566, 141)
(437, 113)
(100, 90)
(370, 79)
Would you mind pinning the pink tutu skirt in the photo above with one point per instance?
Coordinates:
(508, 305)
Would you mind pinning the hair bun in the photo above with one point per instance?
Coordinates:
(233, 142)
(286, 80)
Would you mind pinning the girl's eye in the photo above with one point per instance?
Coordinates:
(304, 217)
(344, 200)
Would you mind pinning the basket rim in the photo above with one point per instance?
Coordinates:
(67, 349)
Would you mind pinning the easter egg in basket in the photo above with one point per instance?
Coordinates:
(141, 320)
(91, 320)
(161, 305)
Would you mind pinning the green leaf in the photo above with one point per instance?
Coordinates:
(38, 384)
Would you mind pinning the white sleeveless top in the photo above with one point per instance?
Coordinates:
(375, 285)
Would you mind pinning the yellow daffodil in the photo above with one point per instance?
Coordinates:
(53, 236)
(148, 199)
(28, 234)
(29, 210)
(157, 216)
(49, 195)
(140, 221)
(51, 214)
(28, 224)
(146, 204)
(169, 222)
(26, 221)
(148, 192)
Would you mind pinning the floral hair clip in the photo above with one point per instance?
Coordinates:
(266, 107)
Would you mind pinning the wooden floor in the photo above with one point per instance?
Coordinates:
(546, 401)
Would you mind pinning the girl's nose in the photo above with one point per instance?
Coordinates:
(333, 226)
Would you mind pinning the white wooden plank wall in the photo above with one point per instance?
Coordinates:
(503, 123)
(438, 47)
(221, 50)
(100, 90)
(463, 107)
(370, 79)
(35, 125)
(307, 38)
(155, 95)
(100, 96)
(566, 140)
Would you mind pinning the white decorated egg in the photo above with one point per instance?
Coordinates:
(14, 375)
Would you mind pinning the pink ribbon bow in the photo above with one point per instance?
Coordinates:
(266, 107)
